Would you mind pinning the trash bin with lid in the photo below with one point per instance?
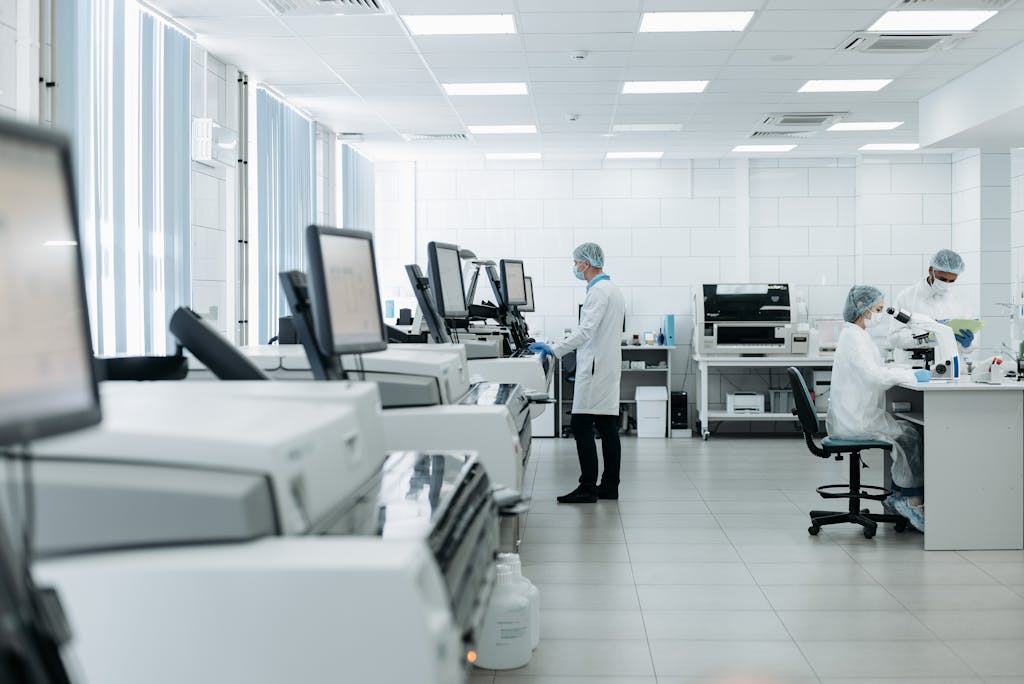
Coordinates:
(651, 411)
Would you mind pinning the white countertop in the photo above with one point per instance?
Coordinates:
(772, 360)
(962, 386)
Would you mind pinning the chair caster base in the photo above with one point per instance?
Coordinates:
(813, 530)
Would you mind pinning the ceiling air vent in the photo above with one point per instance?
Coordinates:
(804, 119)
(782, 134)
(953, 4)
(310, 8)
(452, 137)
(901, 42)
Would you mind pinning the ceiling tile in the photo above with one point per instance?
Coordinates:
(688, 41)
(793, 40)
(579, 22)
(454, 7)
(814, 20)
(350, 25)
(250, 26)
(205, 8)
(470, 44)
(364, 45)
(480, 60)
(616, 42)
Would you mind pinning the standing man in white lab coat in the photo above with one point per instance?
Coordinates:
(936, 297)
(598, 371)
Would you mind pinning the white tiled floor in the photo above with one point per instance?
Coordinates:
(704, 569)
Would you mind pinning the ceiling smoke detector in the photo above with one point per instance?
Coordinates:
(308, 8)
(579, 55)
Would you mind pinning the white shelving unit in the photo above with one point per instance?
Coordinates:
(704, 365)
(630, 380)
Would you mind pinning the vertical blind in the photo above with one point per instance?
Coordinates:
(357, 184)
(123, 94)
(286, 201)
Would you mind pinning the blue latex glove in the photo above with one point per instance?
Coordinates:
(541, 348)
(923, 375)
(965, 338)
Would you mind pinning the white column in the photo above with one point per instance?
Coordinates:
(996, 247)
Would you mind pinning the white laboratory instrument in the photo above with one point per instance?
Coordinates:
(945, 361)
(280, 609)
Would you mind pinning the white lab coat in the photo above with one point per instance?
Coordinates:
(597, 342)
(856, 407)
(920, 298)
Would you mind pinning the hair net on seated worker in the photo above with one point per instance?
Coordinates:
(859, 301)
(948, 261)
(589, 251)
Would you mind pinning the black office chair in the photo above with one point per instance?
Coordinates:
(824, 446)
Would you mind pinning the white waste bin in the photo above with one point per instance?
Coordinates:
(651, 411)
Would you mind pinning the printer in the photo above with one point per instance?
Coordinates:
(258, 460)
(747, 320)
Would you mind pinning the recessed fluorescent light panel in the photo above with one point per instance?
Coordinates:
(890, 147)
(763, 148)
(459, 24)
(503, 130)
(931, 20)
(485, 88)
(634, 155)
(646, 128)
(680, 22)
(662, 87)
(865, 126)
(864, 85)
(512, 155)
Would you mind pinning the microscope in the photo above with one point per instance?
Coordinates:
(943, 357)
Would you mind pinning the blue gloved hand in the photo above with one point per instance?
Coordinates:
(965, 338)
(923, 375)
(541, 348)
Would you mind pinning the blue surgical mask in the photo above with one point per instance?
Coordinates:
(579, 274)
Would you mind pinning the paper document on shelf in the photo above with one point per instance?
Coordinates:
(958, 324)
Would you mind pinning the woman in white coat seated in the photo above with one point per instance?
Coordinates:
(595, 399)
(856, 407)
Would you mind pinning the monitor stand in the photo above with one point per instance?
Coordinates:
(296, 292)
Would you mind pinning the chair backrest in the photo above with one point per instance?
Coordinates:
(805, 410)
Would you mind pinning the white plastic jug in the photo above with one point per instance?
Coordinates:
(504, 642)
(530, 591)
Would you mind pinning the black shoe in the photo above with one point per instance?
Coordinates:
(610, 493)
(579, 495)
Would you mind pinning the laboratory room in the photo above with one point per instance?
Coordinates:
(511, 341)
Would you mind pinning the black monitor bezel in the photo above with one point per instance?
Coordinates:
(434, 277)
(531, 303)
(504, 282)
(27, 430)
(318, 299)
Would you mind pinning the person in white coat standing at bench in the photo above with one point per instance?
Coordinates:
(595, 400)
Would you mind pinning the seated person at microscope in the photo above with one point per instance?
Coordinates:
(857, 400)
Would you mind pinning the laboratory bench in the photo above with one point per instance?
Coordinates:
(973, 461)
(706, 415)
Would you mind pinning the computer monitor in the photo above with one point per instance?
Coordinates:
(513, 282)
(343, 291)
(445, 274)
(529, 307)
(47, 381)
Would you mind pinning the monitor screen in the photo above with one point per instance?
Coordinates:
(343, 291)
(445, 272)
(47, 385)
(513, 282)
(529, 307)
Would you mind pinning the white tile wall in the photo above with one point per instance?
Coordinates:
(819, 224)
(213, 225)
(8, 57)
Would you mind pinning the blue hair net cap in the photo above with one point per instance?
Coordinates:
(948, 261)
(589, 251)
(860, 300)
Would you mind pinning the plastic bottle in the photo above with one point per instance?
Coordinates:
(504, 642)
(530, 591)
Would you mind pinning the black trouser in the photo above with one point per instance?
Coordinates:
(583, 430)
